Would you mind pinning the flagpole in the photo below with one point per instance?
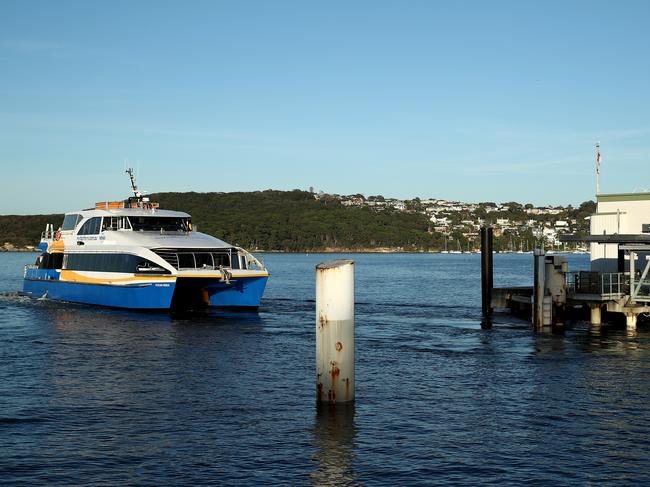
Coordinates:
(598, 159)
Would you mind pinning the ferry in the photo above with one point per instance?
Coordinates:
(133, 254)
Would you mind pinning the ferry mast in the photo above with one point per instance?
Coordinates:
(134, 186)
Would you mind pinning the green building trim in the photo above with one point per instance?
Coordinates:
(604, 198)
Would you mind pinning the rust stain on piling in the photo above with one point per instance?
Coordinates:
(347, 389)
(334, 373)
(338, 346)
(331, 396)
(319, 391)
(322, 320)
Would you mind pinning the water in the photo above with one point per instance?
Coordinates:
(99, 396)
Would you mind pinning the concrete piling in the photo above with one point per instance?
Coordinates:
(335, 331)
(595, 312)
(630, 321)
(539, 289)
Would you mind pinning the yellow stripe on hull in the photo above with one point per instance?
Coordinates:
(72, 276)
(233, 275)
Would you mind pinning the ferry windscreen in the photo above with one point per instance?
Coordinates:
(158, 224)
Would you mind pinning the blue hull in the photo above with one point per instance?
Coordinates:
(241, 293)
(134, 296)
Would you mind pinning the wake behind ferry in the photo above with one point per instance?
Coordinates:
(132, 254)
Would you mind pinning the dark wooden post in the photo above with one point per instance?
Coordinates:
(621, 261)
(487, 282)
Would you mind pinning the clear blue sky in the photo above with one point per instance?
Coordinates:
(477, 101)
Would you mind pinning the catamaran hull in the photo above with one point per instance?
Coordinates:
(243, 293)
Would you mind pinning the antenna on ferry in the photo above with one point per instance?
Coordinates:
(134, 186)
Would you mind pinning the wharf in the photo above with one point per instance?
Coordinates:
(557, 291)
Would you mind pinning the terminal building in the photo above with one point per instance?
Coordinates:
(621, 220)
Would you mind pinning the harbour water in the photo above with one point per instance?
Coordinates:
(102, 396)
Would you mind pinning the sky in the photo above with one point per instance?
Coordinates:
(465, 100)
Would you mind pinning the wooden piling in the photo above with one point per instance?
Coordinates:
(487, 282)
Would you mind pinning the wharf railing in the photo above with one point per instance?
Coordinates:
(607, 285)
(641, 291)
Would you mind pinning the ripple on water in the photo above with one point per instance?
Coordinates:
(100, 396)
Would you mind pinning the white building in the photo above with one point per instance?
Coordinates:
(618, 214)
(550, 234)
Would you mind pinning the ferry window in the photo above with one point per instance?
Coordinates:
(116, 223)
(51, 261)
(110, 223)
(186, 261)
(56, 261)
(111, 262)
(157, 224)
(204, 260)
(146, 266)
(221, 260)
(70, 221)
(91, 227)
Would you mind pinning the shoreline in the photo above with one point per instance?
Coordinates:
(353, 251)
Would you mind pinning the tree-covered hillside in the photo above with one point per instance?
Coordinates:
(301, 221)
(23, 230)
(295, 220)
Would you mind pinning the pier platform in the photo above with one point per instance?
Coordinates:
(557, 291)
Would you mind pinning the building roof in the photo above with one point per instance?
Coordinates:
(642, 196)
(604, 239)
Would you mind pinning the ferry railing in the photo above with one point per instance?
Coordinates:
(206, 260)
(48, 233)
(193, 260)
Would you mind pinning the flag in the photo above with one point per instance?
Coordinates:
(598, 158)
